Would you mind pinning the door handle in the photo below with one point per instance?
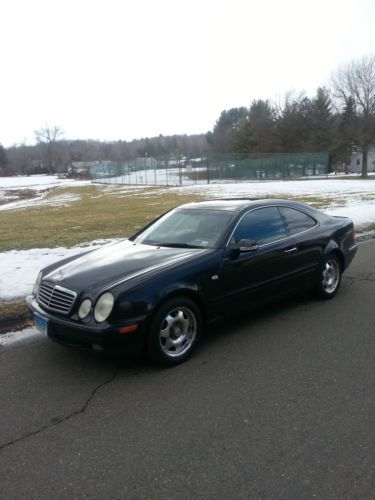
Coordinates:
(289, 251)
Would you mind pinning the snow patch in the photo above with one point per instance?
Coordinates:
(13, 339)
(37, 182)
(20, 268)
(40, 186)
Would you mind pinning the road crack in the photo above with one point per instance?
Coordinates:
(369, 277)
(57, 421)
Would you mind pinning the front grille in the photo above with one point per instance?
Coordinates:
(56, 298)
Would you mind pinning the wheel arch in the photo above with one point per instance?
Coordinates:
(186, 292)
(333, 249)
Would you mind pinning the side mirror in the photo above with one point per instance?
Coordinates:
(243, 246)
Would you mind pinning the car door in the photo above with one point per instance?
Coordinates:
(259, 274)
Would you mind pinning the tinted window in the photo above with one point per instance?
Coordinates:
(296, 221)
(262, 225)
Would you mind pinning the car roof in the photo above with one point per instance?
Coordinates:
(239, 204)
(233, 204)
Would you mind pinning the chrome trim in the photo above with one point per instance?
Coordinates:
(281, 239)
(291, 250)
(55, 297)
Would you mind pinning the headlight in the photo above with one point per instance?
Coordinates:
(84, 308)
(37, 283)
(103, 307)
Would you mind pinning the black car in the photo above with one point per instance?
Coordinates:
(195, 264)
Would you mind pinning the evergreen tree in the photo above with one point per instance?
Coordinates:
(3, 157)
(291, 127)
(257, 133)
(225, 130)
(320, 121)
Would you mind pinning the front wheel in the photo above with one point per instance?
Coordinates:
(329, 278)
(174, 331)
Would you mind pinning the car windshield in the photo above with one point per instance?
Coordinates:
(186, 228)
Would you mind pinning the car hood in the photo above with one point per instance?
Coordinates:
(116, 263)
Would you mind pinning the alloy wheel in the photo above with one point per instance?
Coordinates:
(178, 331)
(330, 276)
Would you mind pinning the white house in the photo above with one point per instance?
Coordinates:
(357, 160)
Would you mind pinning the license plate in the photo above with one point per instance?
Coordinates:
(41, 323)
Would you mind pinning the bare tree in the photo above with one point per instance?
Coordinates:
(48, 134)
(356, 82)
(48, 137)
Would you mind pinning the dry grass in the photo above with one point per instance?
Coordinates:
(17, 194)
(13, 315)
(15, 309)
(99, 213)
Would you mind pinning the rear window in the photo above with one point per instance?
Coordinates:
(296, 221)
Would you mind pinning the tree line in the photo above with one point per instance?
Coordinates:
(53, 154)
(339, 119)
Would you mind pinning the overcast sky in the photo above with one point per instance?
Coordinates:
(124, 69)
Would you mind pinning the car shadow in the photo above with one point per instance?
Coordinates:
(247, 320)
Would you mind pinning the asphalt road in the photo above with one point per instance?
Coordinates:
(277, 405)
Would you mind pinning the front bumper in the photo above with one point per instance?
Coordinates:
(68, 332)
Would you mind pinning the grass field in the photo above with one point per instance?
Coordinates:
(98, 213)
(74, 215)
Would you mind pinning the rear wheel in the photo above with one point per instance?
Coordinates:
(329, 278)
(174, 331)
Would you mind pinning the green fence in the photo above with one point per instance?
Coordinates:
(211, 168)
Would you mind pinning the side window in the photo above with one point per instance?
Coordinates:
(262, 225)
(296, 221)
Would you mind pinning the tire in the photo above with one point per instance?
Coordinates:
(174, 331)
(329, 278)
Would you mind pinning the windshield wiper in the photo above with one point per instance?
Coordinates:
(177, 245)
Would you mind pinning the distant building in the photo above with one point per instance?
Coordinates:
(357, 161)
(81, 168)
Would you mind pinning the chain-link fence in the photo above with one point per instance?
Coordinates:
(224, 167)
